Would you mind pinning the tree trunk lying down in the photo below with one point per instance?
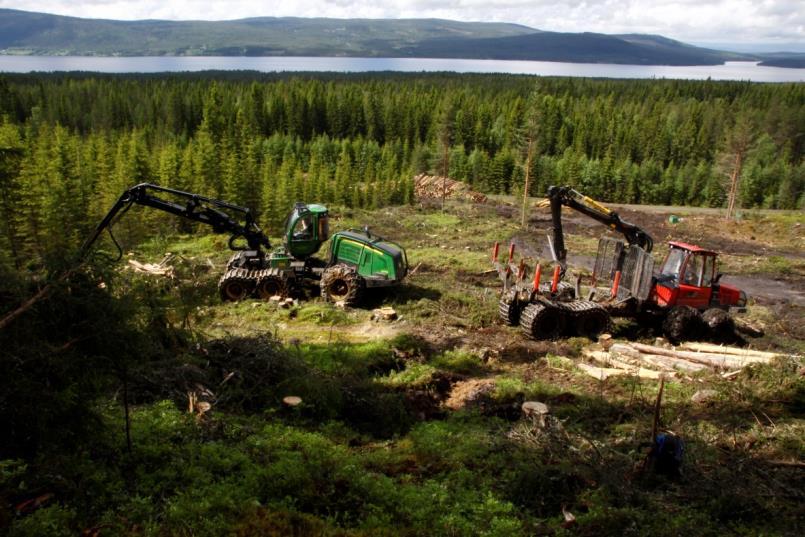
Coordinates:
(714, 360)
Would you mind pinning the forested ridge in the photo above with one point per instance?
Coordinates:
(72, 143)
(25, 33)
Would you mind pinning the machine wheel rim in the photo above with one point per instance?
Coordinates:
(338, 288)
(270, 288)
(234, 291)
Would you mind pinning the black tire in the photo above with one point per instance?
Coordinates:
(683, 323)
(592, 323)
(235, 289)
(719, 323)
(509, 311)
(541, 321)
(340, 283)
(271, 286)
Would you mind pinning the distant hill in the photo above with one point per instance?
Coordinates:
(570, 47)
(794, 60)
(23, 32)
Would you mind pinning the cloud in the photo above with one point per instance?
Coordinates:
(687, 20)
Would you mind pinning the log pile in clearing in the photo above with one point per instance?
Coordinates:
(434, 187)
(653, 362)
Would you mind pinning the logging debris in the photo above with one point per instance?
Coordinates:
(436, 187)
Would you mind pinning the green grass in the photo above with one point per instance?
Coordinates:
(372, 449)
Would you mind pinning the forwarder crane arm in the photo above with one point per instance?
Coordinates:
(564, 195)
(215, 213)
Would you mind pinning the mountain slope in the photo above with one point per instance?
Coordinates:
(24, 32)
(567, 47)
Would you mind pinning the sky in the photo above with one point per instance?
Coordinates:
(733, 23)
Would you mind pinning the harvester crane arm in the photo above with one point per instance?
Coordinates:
(215, 213)
(565, 195)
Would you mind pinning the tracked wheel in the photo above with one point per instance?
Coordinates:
(269, 286)
(541, 321)
(235, 285)
(341, 283)
(587, 319)
(509, 311)
(719, 323)
(683, 323)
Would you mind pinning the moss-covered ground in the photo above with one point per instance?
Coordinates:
(414, 427)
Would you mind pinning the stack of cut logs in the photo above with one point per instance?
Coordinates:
(434, 187)
(653, 362)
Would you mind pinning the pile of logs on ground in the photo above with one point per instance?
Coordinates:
(434, 187)
(653, 361)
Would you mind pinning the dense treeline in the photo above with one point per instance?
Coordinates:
(71, 143)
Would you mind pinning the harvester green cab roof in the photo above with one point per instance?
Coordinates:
(306, 229)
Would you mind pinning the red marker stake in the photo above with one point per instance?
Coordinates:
(555, 281)
(537, 276)
(616, 283)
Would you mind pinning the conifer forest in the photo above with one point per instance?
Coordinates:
(73, 143)
(135, 402)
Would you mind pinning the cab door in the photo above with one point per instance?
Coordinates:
(695, 282)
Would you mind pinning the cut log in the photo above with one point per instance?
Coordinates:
(745, 327)
(713, 360)
(601, 373)
(733, 351)
(634, 356)
(598, 356)
(607, 359)
(671, 364)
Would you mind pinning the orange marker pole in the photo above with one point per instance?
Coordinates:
(555, 281)
(495, 252)
(616, 283)
(511, 252)
(537, 276)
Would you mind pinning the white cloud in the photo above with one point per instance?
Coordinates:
(699, 21)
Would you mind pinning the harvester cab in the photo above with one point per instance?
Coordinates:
(689, 277)
(306, 229)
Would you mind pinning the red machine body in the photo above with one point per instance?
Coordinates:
(689, 277)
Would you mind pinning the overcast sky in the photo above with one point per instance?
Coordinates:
(694, 21)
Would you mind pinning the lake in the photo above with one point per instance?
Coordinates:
(156, 64)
